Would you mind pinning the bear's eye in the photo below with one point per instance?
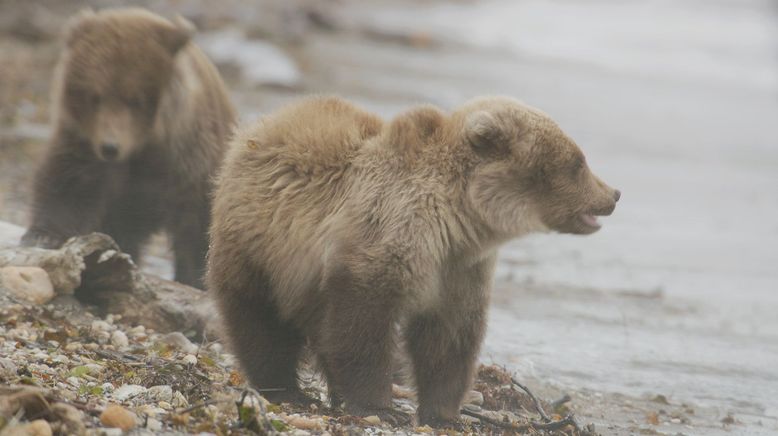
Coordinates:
(577, 164)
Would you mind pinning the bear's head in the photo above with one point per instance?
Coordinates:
(114, 70)
(528, 175)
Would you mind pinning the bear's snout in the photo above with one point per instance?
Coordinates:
(109, 150)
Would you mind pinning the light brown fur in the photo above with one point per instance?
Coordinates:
(331, 226)
(140, 124)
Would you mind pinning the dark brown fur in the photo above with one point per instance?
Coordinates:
(332, 227)
(141, 120)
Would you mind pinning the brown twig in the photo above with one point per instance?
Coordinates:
(534, 399)
(556, 403)
(200, 405)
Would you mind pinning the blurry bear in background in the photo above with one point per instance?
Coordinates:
(140, 123)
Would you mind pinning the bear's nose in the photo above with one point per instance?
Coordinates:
(616, 195)
(109, 150)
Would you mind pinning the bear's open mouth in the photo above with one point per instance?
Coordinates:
(590, 220)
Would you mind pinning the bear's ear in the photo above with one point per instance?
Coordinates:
(79, 25)
(483, 131)
(176, 37)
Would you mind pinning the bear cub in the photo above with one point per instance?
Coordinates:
(140, 124)
(331, 228)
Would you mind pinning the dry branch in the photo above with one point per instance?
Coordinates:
(97, 273)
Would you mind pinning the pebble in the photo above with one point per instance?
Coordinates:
(103, 337)
(99, 325)
(59, 358)
(74, 346)
(93, 368)
(190, 359)
(401, 392)
(125, 392)
(165, 405)
(474, 397)
(160, 393)
(153, 425)
(73, 381)
(137, 331)
(30, 283)
(7, 368)
(38, 427)
(118, 417)
(306, 423)
(107, 387)
(179, 400)
(178, 340)
(372, 420)
(119, 339)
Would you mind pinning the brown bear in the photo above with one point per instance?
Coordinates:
(141, 120)
(332, 228)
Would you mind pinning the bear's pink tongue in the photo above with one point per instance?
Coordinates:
(590, 220)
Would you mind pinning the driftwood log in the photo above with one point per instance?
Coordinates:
(92, 269)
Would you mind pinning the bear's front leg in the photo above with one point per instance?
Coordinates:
(356, 336)
(69, 198)
(190, 240)
(444, 344)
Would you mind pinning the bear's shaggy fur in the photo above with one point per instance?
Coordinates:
(140, 124)
(331, 227)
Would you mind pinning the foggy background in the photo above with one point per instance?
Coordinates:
(675, 103)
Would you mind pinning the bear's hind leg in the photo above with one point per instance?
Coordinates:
(267, 347)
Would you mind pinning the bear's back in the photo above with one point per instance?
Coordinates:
(284, 179)
(316, 133)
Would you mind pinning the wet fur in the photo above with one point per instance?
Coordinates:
(132, 77)
(330, 227)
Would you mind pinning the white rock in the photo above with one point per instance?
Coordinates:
(7, 368)
(99, 325)
(74, 346)
(190, 359)
(94, 369)
(474, 397)
(125, 392)
(73, 381)
(179, 400)
(29, 283)
(119, 339)
(178, 340)
(136, 331)
(160, 393)
(372, 420)
(103, 337)
(38, 427)
(107, 387)
(60, 359)
(154, 425)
